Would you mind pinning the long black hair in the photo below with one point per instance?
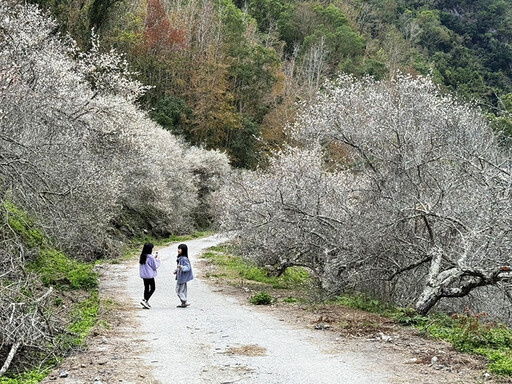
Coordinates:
(184, 249)
(146, 250)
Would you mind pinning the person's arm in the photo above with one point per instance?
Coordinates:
(185, 267)
(153, 263)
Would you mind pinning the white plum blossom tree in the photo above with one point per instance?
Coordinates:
(83, 160)
(439, 196)
(51, 128)
(292, 213)
(210, 170)
(420, 209)
(78, 152)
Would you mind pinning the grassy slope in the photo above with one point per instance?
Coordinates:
(75, 298)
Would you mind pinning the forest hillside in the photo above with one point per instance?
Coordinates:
(83, 172)
(226, 74)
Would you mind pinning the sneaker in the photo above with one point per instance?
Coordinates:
(183, 305)
(145, 304)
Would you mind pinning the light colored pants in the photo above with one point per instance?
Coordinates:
(181, 291)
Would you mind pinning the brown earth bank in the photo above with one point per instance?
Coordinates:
(114, 349)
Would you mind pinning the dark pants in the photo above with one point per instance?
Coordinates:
(149, 288)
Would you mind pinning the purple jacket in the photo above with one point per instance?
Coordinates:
(148, 270)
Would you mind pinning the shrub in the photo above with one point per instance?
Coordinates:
(33, 377)
(364, 302)
(261, 298)
(290, 299)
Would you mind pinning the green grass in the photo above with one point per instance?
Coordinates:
(21, 223)
(84, 317)
(363, 302)
(233, 267)
(472, 334)
(54, 267)
(59, 270)
(290, 299)
(33, 377)
(501, 362)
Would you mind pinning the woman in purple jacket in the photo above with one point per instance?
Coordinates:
(148, 265)
(183, 274)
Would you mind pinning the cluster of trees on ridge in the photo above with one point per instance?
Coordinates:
(226, 74)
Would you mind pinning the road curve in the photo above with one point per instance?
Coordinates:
(220, 340)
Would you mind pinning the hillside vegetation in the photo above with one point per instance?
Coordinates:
(83, 171)
(49, 300)
(226, 74)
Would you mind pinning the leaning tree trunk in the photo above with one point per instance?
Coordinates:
(432, 292)
(457, 282)
(7, 361)
(429, 297)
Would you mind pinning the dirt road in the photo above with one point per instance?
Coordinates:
(221, 339)
(218, 340)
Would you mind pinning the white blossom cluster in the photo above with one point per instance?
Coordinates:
(292, 213)
(107, 74)
(416, 208)
(83, 160)
(76, 151)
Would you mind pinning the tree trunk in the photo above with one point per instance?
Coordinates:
(7, 362)
(427, 300)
